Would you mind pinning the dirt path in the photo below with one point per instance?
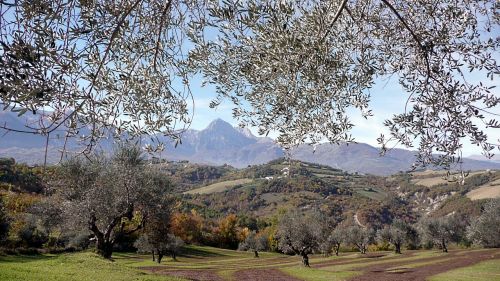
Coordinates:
(368, 257)
(195, 275)
(262, 275)
(455, 260)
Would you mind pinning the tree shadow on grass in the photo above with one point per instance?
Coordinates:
(25, 258)
(196, 253)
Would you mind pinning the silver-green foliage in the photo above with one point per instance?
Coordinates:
(485, 230)
(299, 67)
(109, 196)
(103, 65)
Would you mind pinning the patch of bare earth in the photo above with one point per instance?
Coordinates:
(369, 257)
(262, 275)
(456, 260)
(195, 275)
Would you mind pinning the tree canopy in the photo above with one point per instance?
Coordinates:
(297, 68)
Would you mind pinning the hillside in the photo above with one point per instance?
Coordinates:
(262, 190)
(220, 143)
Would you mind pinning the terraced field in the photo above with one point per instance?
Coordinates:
(489, 190)
(412, 265)
(219, 186)
(205, 263)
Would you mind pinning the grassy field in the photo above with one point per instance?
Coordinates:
(372, 193)
(206, 263)
(78, 266)
(487, 270)
(219, 186)
(489, 190)
(432, 178)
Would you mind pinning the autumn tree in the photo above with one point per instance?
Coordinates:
(109, 196)
(187, 226)
(227, 231)
(299, 234)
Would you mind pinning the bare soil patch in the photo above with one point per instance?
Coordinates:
(195, 275)
(368, 256)
(456, 260)
(262, 275)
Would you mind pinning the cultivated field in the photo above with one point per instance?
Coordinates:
(489, 190)
(219, 187)
(205, 263)
(432, 178)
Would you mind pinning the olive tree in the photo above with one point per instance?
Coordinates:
(485, 230)
(101, 67)
(109, 196)
(360, 237)
(4, 222)
(299, 67)
(333, 240)
(443, 230)
(294, 67)
(168, 244)
(299, 234)
(254, 242)
(398, 233)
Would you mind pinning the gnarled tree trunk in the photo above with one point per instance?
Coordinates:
(443, 246)
(397, 248)
(337, 248)
(305, 259)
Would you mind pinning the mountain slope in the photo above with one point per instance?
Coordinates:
(220, 143)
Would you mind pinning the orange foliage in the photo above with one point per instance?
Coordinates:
(187, 226)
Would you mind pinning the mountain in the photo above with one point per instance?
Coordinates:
(364, 158)
(220, 143)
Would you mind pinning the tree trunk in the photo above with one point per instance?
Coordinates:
(397, 248)
(443, 246)
(256, 254)
(337, 248)
(104, 248)
(305, 260)
(174, 256)
(363, 249)
(153, 253)
(160, 256)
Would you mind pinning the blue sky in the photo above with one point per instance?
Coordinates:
(387, 99)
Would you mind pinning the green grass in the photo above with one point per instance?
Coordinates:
(226, 264)
(362, 262)
(76, 266)
(374, 193)
(483, 271)
(219, 186)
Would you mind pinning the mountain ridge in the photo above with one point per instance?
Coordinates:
(221, 143)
